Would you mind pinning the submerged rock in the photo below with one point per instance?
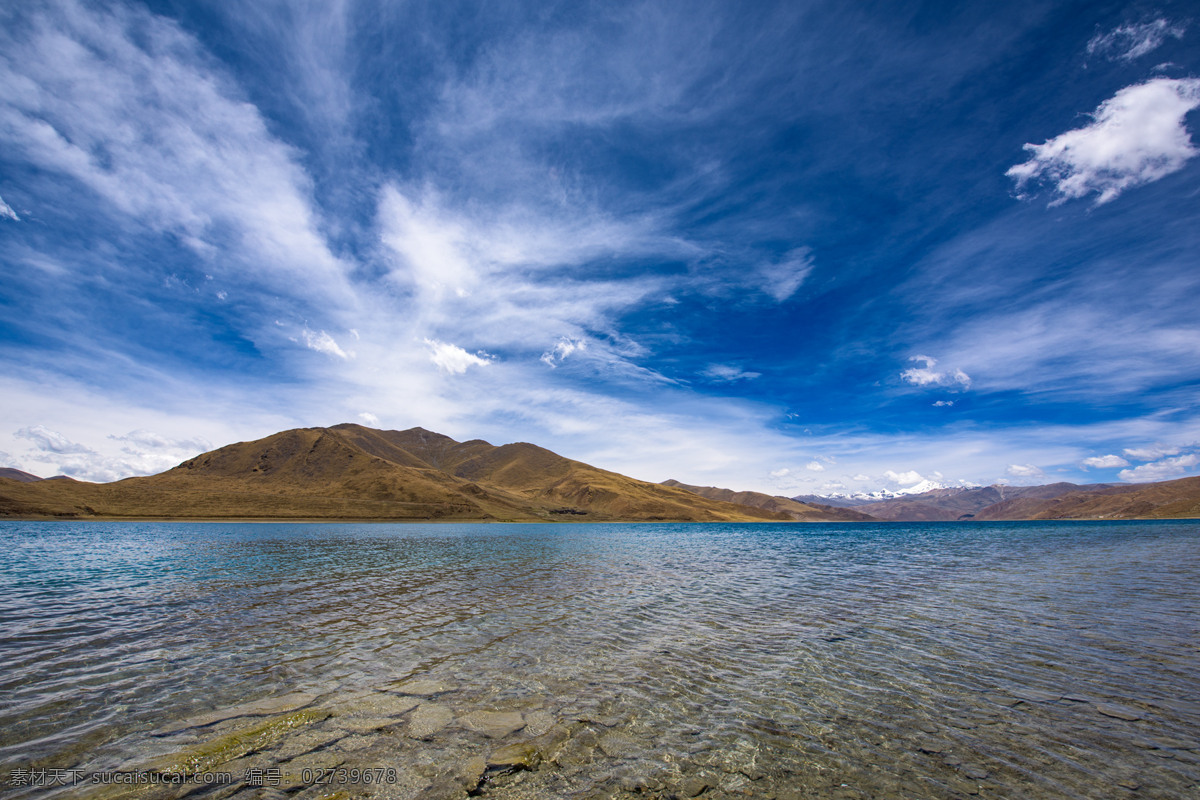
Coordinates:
(376, 704)
(423, 688)
(469, 772)
(694, 787)
(538, 723)
(974, 772)
(513, 757)
(258, 708)
(1117, 712)
(206, 756)
(365, 724)
(617, 744)
(493, 724)
(428, 719)
(442, 789)
(307, 741)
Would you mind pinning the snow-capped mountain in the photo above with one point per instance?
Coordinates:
(849, 499)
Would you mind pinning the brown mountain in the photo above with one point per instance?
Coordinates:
(1178, 499)
(17, 475)
(353, 472)
(802, 512)
(958, 503)
(1168, 499)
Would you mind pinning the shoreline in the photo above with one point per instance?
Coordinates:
(444, 521)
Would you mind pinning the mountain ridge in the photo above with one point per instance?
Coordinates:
(799, 511)
(1174, 499)
(350, 471)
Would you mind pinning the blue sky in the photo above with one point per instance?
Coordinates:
(793, 247)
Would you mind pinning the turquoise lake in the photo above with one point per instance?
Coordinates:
(1003, 660)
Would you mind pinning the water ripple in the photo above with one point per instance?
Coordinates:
(1006, 660)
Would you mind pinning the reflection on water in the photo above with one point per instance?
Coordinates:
(531, 661)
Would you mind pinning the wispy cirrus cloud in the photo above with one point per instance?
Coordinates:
(322, 342)
(728, 373)
(781, 279)
(138, 440)
(1135, 39)
(1137, 136)
(126, 103)
(563, 348)
(6, 211)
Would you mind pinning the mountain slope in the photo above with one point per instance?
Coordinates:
(354, 472)
(1167, 499)
(958, 503)
(17, 475)
(1177, 499)
(806, 512)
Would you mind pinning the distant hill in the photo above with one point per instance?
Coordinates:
(804, 512)
(957, 503)
(17, 475)
(354, 472)
(1177, 499)
(1168, 499)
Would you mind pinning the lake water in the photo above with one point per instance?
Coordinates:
(1004, 660)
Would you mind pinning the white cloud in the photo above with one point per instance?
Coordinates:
(1134, 40)
(49, 441)
(431, 245)
(512, 277)
(1105, 462)
(1137, 136)
(727, 373)
(1162, 470)
(6, 211)
(1025, 471)
(126, 103)
(563, 348)
(782, 278)
(453, 359)
(815, 466)
(943, 403)
(143, 452)
(322, 342)
(926, 375)
(780, 473)
(903, 478)
(149, 440)
(1151, 453)
(369, 418)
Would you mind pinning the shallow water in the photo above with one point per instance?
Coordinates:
(1008, 660)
